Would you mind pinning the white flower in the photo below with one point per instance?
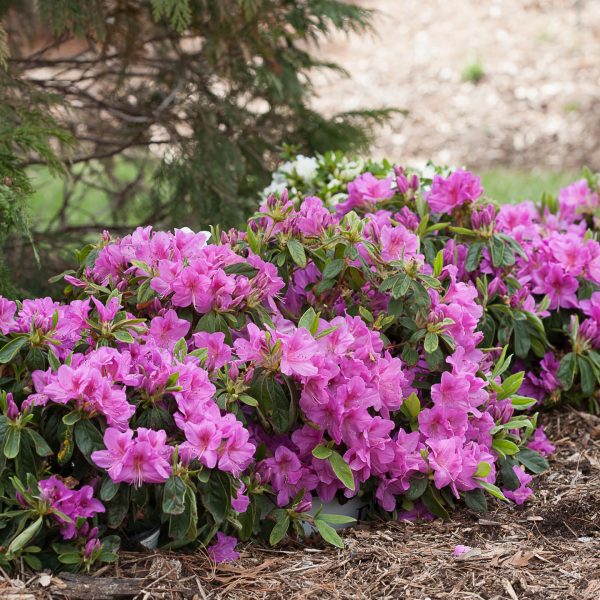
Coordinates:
(276, 187)
(306, 167)
(286, 167)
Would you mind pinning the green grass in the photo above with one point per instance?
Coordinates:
(89, 202)
(473, 72)
(510, 186)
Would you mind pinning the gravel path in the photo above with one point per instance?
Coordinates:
(537, 105)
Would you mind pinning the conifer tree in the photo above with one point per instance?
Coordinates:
(172, 111)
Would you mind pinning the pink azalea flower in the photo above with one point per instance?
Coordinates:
(522, 493)
(560, 287)
(168, 329)
(457, 189)
(117, 444)
(459, 550)
(75, 504)
(219, 353)
(441, 422)
(452, 391)
(297, 351)
(365, 191)
(145, 459)
(191, 288)
(223, 550)
(107, 313)
(238, 451)
(398, 243)
(8, 308)
(240, 502)
(203, 441)
(540, 442)
(445, 460)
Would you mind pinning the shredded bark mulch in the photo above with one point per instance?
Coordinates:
(548, 549)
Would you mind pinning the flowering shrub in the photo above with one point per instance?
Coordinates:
(214, 392)
(535, 267)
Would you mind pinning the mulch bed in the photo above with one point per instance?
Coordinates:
(548, 549)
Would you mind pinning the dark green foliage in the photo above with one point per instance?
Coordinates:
(194, 97)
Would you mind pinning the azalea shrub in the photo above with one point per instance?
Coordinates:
(536, 266)
(204, 389)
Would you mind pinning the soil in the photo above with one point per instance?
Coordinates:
(536, 106)
(548, 549)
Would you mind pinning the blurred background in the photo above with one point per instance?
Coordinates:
(116, 113)
(502, 86)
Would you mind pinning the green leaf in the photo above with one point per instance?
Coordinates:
(309, 319)
(566, 370)
(216, 495)
(431, 342)
(493, 490)
(322, 452)
(365, 314)
(522, 402)
(71, 418)
(588, 378)
(388, 283)
(172, 380)
(180, 350)
(473, 256)
(32, 561)
(511, 385)
(117, 508)
(433, 503)
(336, 519)
(145, 293)
(273, 401)
(12, 443)
(88, 439)
(410, 356)
(532, 460)
(438, 263)
(123, 336)
(522, 339)
(108, 489)
(24, 537)
(334, 268)
(413, 405)
(509, 479)
(279, 531)
(41, 446)
(401, 286)
(496, 251)
(53, 360)
(247, 400)
(140, 264)
(296, 250)
(342, 470)
(183, 527)
(328, 533)
(173, 502)
(12, 348)
(252, 240)
(504, 448)
(476, 500)
(417, 488)
(241, 268)
(483, 469)
(502, 364)
(70, 558)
